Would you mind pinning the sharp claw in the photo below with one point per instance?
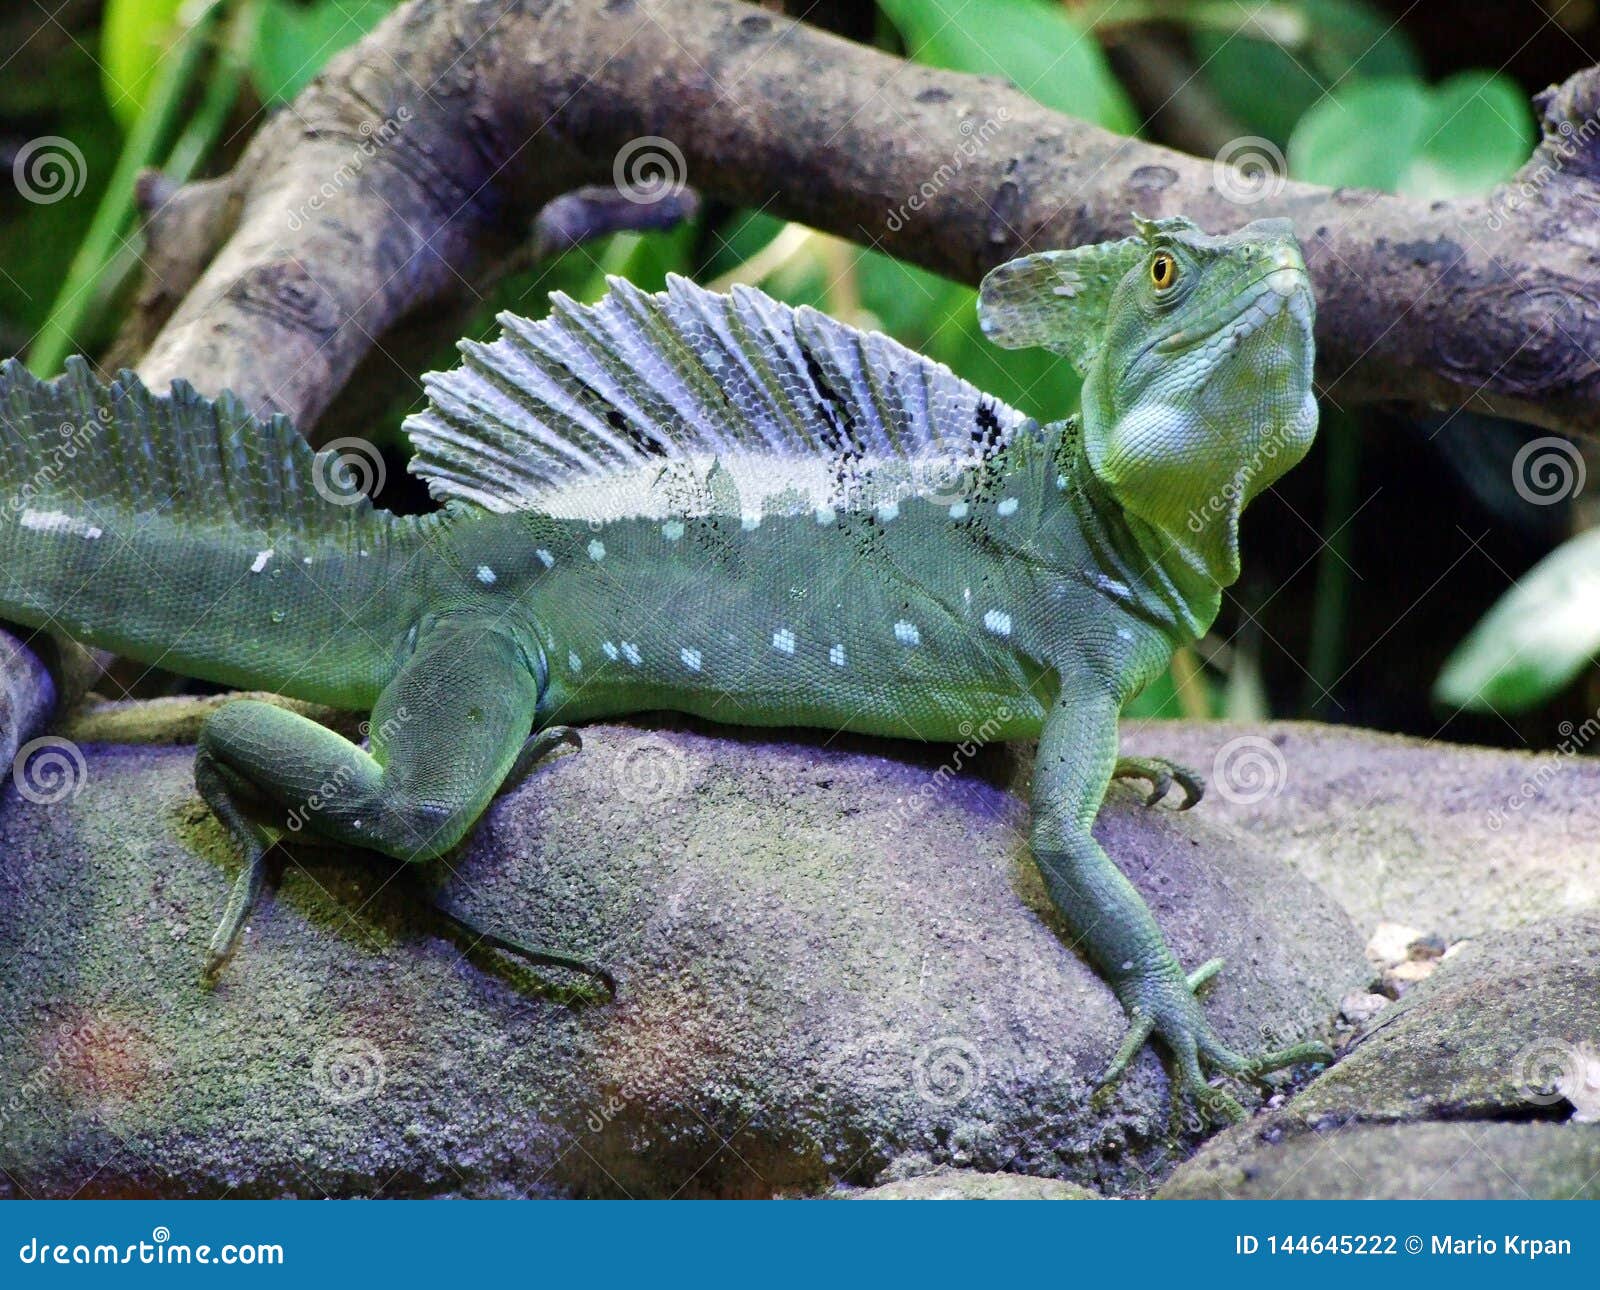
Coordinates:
(1160, 775)
(1167, 1006)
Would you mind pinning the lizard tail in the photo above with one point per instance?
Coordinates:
(185, 531)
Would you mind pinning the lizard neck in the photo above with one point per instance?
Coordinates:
(1167, 583)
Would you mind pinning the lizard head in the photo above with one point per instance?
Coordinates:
(1196, 352)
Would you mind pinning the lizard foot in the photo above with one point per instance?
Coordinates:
(539, 955)
(1160, 774)
(1165, 1004)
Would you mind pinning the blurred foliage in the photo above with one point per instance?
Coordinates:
(1336, 84)
(1536, 639)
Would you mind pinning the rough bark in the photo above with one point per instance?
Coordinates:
(422, 153)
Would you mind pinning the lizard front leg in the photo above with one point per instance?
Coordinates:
(1107, 916)
(444, 735)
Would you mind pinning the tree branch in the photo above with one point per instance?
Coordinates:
(418, 157)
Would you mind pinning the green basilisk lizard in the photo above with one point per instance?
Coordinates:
(712, 504)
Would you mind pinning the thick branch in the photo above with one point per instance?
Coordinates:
(422, 153)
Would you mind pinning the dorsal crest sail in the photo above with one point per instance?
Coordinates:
(643, 386)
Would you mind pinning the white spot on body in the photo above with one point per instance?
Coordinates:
(545, 558)
(691, 658)
(906, 633)
(1123, 634)
(672, 530)
(630, 651)
(1007, 507)
(609, 650)
(888, 511)
(59, 522)
(260, 562)
(998, 621)
(1110, 584)
(958, 511)
(573, 661)
(836, 656)
(597, 549)
(1061, 481)
(825, 515)
(783, 641)
(749, 523)
(486, 575)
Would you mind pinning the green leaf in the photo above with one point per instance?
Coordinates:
(1535, 640)
(1481, 129)
(1033, 44)
(1463, 135)
(297, 40)
(1269, 63)
(134, 37)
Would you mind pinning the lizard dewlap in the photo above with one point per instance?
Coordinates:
(714, 504)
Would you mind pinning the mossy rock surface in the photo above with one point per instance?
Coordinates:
(838, 966)
(1483, 1081)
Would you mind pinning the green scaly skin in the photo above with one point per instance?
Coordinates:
(1035, 608)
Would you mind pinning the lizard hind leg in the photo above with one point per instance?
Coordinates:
(446, 732)
(225, 792)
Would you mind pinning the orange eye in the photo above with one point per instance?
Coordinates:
(1163, 270)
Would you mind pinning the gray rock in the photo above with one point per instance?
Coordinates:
(1453, 841)
(1428, 1160)
(836, 966)
(1484, 1080)
(965, 1184)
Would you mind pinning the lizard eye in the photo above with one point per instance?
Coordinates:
(1163, 270)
